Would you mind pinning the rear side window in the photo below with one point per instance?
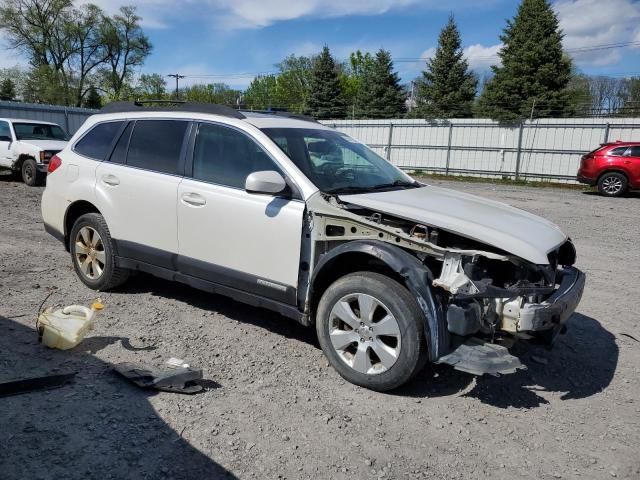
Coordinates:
(156, 144)
(635, 151)
(618, 152)
(98, 141)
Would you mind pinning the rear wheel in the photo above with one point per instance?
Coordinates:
(93, 254)
(371, 330)
(613, 184)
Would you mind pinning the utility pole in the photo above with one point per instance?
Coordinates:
(177, 76)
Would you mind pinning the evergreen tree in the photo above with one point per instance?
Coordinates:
(327, 98)
(380, 94)
(93, 99)
(447, 88)
(7, 89)
(534, 73)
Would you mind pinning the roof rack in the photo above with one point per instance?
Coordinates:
(171, 106)
(284, 114)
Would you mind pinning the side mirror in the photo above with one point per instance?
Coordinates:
(269, 182)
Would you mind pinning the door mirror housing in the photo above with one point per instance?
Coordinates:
(269, 182)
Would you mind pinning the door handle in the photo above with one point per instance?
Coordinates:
(111, 180)
(194, 199)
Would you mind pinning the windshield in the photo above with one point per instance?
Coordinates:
(39, 131)
(336, 163)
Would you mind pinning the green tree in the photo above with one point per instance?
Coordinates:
(44, 84)
(151, 86)
(631, 107)
(327, 97)
(293, 83)
(7, 89)
(261, 93)
(380, 94)
(534, 73)
(218, 93)
(352, 76)
(447, 88)
(92, 99)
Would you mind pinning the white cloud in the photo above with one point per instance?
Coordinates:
(481, 58)
(237, 14)
(587, 23)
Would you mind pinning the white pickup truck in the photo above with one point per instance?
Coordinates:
(27, 145)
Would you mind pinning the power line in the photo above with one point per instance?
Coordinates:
(177, 76)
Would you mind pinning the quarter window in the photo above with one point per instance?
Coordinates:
(98, 141)
(227, 157)
(156, 145)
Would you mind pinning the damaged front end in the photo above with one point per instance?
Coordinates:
(487, 297)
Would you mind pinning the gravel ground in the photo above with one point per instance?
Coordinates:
(275, 409)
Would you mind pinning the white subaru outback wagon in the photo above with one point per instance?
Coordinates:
(281, 212)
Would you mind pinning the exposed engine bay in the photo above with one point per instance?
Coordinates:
(487, 292)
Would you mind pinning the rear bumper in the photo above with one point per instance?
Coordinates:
(587, 180)
(555, 310)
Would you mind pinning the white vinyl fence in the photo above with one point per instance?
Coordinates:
(548, 149)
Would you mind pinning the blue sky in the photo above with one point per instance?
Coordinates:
(231, 40)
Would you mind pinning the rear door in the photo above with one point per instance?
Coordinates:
(228, 236)
(634, 166)
(137, 190)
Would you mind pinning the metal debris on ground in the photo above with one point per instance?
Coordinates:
(179, 380)
(26, 385)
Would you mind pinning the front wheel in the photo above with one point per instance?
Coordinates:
(371, 330)
(30, 174)
(93, 254)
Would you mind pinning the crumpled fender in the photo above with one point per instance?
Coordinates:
(418, 280)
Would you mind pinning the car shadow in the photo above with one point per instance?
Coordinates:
(629, 194)
(99, 426)
(266, 319)
(582, 363)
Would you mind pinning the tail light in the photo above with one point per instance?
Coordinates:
(54, 163)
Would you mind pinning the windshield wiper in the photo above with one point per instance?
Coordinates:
(397, 183)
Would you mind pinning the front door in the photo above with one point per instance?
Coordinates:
(6, 159)
(227, 236)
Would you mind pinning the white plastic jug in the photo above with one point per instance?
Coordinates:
(64, 328)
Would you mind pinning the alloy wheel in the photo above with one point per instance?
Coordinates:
(89, 253)
(612, 185)
(364, 333)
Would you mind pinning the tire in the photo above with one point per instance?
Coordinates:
(613, 184)
(30, 174)
(94, 259)
(362, 355)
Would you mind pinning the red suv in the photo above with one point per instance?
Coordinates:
(614, 168)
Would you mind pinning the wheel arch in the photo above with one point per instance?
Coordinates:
(17, 166)
(381, 257)
(613, 170)
(75, 211)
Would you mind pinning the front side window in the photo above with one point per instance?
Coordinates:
(97, 142)
(39, 131)
(227, 157)
(5, 132)
(156, 144)
(336, 163)
(634, 151)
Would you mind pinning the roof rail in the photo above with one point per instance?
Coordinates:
(171, 106)
(284, 114)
